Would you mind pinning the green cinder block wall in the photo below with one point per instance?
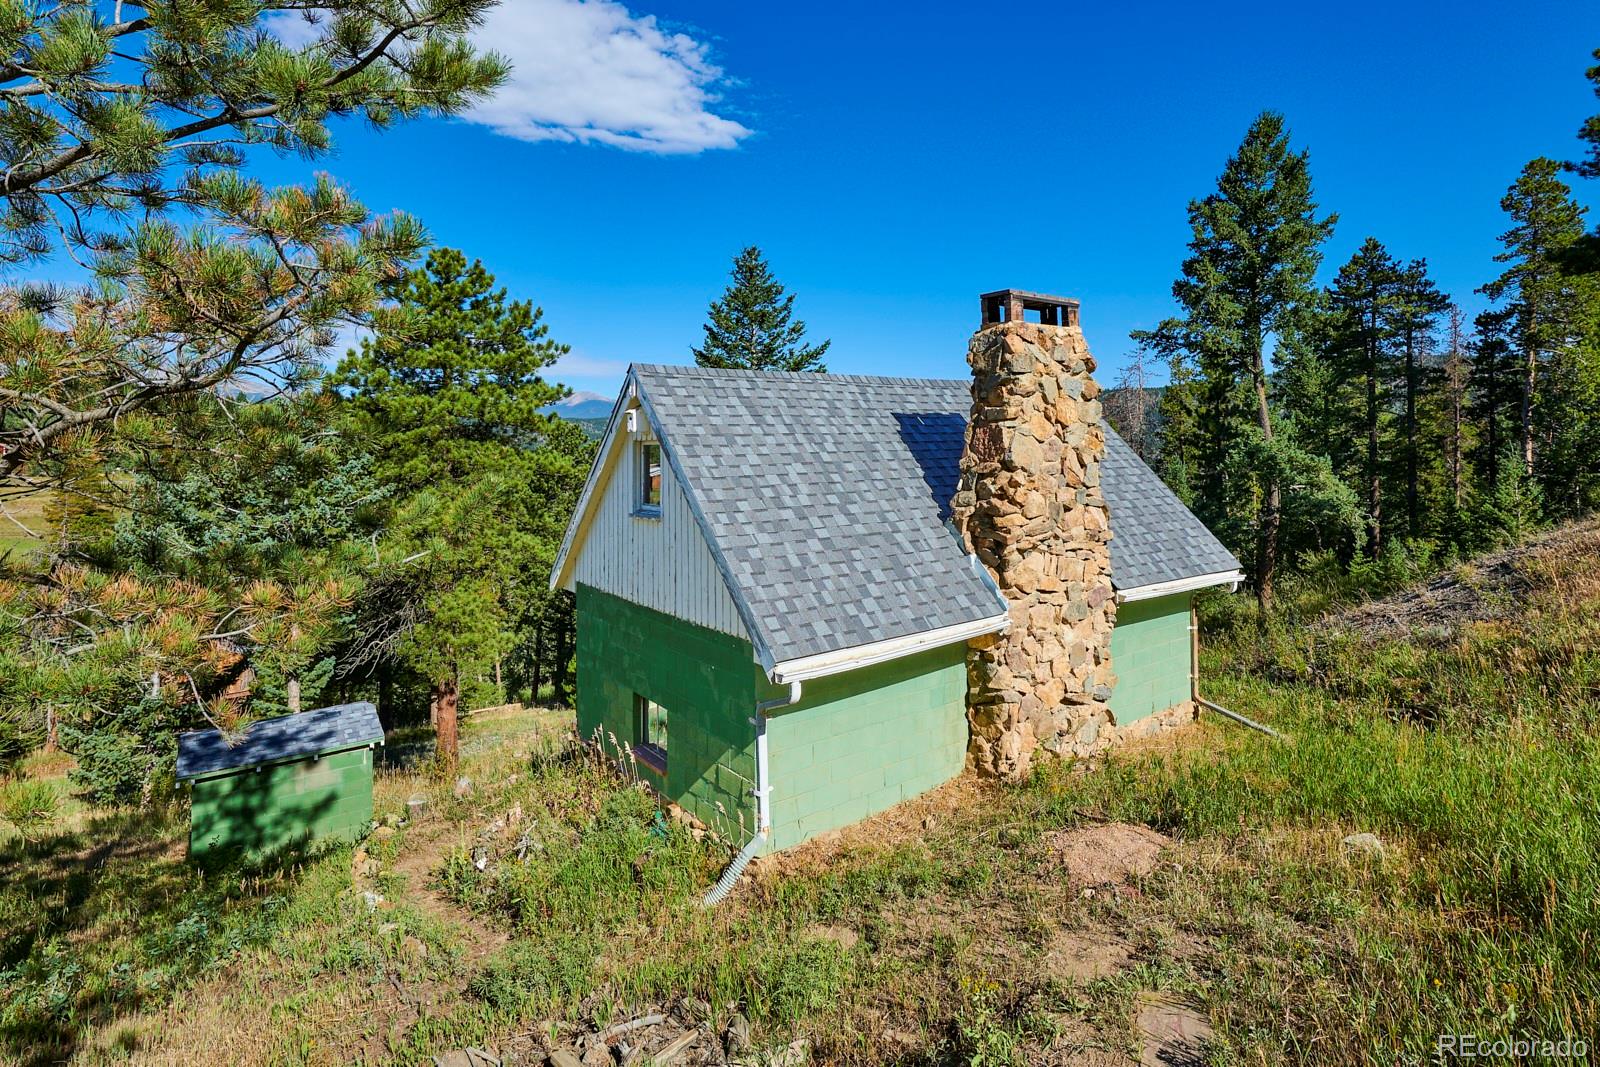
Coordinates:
(857, 743)
(703, 678)
(255, 812)
(863, 741)
(1150, 651)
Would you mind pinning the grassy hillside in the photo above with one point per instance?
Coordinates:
(22, 524)
(982, 924)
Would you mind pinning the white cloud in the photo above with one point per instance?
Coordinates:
(592, 72)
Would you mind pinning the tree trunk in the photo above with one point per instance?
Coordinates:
(1374, 482)
(1412, 518)
(294, 682)
(499, 682)
(1457, 378)
(1271, 500)
(447, 745)
(1529, 379)
(537, 674)
(559, 695)
(52, 740)
(386, 694)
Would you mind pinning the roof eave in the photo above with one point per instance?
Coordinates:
(823, 664)
(1179, 585)
(599, 471)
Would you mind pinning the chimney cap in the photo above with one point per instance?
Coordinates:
(1010, 305)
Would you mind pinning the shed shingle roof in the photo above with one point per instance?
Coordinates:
(827, 497)
(308, 733)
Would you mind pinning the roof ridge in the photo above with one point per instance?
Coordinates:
(689, 370)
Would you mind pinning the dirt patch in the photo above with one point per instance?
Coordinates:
(1172, 1034)
(1491, 588)
(1079, 955)
(1106, 854)
(842, 936)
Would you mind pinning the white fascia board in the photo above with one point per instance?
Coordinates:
(1179, 585)
(848, 659)
(599, 473)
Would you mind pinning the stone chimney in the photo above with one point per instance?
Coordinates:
(1029, 505)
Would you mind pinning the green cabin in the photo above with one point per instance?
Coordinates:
(287, 782)
(773, 610)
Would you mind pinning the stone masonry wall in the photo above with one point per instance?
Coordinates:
(1029, 504)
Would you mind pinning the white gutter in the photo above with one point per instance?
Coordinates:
(763, 795)
(1180, 585)
(848, 659)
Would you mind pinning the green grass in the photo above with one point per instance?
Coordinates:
(1473, 754)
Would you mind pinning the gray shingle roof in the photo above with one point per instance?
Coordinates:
(308, 733)
(826, 496)
(1154, 538)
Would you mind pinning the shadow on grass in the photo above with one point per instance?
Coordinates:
(114, 918)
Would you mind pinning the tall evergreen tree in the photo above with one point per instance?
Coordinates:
(1247, 283)
(753, 326)
(1544, 300)
(1418, 305)
(1363, 303)
(1584, 257)
(449, 396)
(453, 374)
(1495, 392)
(1589, 133)
(1455, 376)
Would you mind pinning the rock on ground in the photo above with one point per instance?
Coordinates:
(1173, 1034)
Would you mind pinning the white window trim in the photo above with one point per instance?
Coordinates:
(642, 510)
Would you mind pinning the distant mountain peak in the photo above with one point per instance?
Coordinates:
(581, 405)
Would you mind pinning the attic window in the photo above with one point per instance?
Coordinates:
(649, 478)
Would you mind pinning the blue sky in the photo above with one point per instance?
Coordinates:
(896, 159)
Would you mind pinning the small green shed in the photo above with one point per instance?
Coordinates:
(288, 781)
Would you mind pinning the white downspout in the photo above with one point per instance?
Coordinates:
(763, 795)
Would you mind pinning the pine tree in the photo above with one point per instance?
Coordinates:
(126, 143)
(1178, 428)
(1455, 375)
(1544, 300)
(453, 373)
(449, 396)
(1127, 406)
(1589, 133)
(1363, 302)
(1494, 393)
(1247, 282)
(750, 328)
(1418, 305)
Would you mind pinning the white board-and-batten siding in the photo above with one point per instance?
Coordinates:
(661, 563)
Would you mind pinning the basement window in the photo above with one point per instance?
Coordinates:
(649, 503)
(650, 733)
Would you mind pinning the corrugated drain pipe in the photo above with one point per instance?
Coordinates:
(763, 792)
(1194, 683)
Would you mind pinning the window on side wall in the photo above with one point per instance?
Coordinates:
(650, 733)
(649, 479)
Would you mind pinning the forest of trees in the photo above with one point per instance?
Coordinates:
(1365, 425)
